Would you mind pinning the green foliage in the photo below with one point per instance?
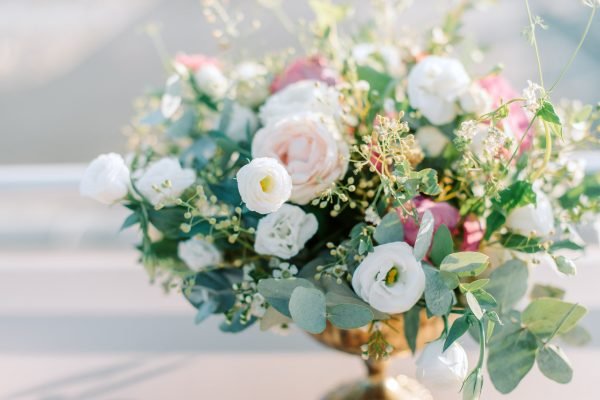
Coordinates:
(516, 195)
(521, 243)
(278, 292)
(508, 284)
(438, 297)
(424, 235)
(210, 292)
(390, 229)
(130, 221)
(473, 385)
(546, 317)
(184, 125)
(474, 305)
(236, 323)
(465, 264)
(578, 336)
(553, 363)
(199, 153)
(547, 114)
(378, 81)
(442, 245)
(307, 308)
(459, 327)
(412, 319)
(510, 358)
(546, 291)
(349, 315)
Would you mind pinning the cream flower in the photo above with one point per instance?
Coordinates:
(106, 179)
(251, 83)
(434, 86)
(537, 220)
(241, 121)
(264, 185)
(285, 232)
(198, 254)
(442, 369)
(390, 278)
(164, 181)
(306, 95)
(309, 146)
(431, 140)
(211, 81)
(475, 100)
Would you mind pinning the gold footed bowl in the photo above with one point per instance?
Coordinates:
(377, 385)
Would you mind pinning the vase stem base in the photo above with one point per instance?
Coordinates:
(400, 388)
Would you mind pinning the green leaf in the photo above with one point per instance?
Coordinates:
(565, 265)
(493, 222)
(307, 309)
(578, 336)
(475, 285)
(236, 325)
(484, 298)
(521, 243)
(450, 279)
(438, 297)
(510, 358)
(278, 292)
(442, 245)
(390, 229)
(131, 220)
(349, 315)
(378, 81)
(412, 320)
(428, 182)
(466, 263)
(547, 113)
(457, 330)
(183, 126)
(546, 316)
(474, 305)
(565, 244)
(546, 291)
(424, 236)
(473, 385)
(210, 292)
(516, 195)
(508, 284)
(554, 364)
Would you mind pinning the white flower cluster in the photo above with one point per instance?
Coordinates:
(533, 95)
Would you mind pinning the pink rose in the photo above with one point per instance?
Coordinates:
(312, 68)
(194, 62)
(310, 147)
(517, 122)
(472, 234)
(443, 213)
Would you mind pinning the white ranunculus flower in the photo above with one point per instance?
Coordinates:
(285, 232)
(434, 86)
(364, 53)
(251, 82)
(475, 100)
(264, 185)
(431, 140)
(164, 181)
(241, 121)
(211, 81)
(198, 254)
(310, 147)
(390, 278)
(306, 95)
(439, 369)
(106, 179)
(531, 219)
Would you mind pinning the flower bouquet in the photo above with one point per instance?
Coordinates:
(371, 191)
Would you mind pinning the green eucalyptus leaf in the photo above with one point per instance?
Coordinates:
(412, 320)
(473, 385)
(508, 284)
(554, 364)
(459, 327)
(131, 220)
(466, 263)
(475, 285)
(578, 336)
(278, 292)
(442, 245)
(511, 357)
(438, 297)
(424, 236)
(474, 305)
(349, 315)
(390, 229)
(521, 243)
(546, 291)
(308, 309)
(546, 316)
(236, 325)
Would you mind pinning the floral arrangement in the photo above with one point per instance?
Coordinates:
(368, 178)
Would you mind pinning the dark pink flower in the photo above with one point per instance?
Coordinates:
(443, 213)
(499, 90)
(194, 62)
(314, 67)
(472, 234)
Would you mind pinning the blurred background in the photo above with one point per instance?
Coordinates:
(78, 317)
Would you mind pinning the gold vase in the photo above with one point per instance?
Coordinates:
(377, 385)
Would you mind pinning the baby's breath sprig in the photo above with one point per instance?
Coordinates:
(377, 348)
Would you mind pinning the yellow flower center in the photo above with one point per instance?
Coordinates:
(266, 184)
(392, 276)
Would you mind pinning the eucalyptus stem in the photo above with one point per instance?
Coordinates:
(481, 344)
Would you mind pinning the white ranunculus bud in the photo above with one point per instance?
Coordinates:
(198, 254)
(310, 147)
(439, 369)
(106, 179)
(431, 140)
(306, 95)
(390, 278)
(264, 185)
(285, 232)
(434, 86)
(537, 220)
(211, 81)
(242, 120)
(164, 181)
(251, 82)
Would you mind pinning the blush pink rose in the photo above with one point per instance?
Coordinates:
(517, 122)
(443, 213)
(194, 62)
(311, 68)
(472, 234)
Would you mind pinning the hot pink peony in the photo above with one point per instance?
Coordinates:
(499, 90)
(443, 213)
(314, 68)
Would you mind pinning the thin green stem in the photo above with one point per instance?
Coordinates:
(576, 51)
(481, 344)
(534, 42)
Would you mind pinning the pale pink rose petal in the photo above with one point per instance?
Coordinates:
(472, 234)
(313, 68)
(443, 213)
(195, 62)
